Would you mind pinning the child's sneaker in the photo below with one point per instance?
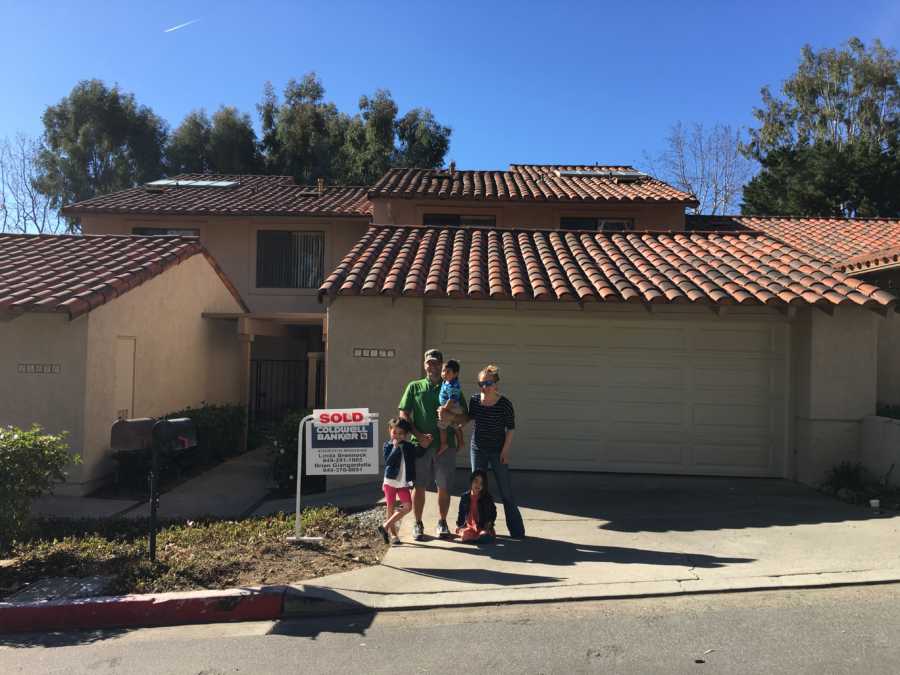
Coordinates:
(384, 534)
(395, 541)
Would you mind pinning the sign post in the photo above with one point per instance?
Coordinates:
(339, 442)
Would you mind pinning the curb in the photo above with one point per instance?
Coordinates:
(134, 611)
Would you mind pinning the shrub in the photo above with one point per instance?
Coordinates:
(284, 464)
(30, 463)
(846, 476)
(888, 410)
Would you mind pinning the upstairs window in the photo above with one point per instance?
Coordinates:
(597, 224)
(289, 259)
(166, 231)
(458, 220)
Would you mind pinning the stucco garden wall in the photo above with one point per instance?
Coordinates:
(835, 386)
(365, 382)
(54, 400)
(181, 359)
(880, 448)
(889, 360)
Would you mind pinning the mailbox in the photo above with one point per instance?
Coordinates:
(136, 434)
(178, 433)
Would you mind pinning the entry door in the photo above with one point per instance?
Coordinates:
(124, 387)
(677, 394)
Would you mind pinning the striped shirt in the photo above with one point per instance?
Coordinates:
(491, 423)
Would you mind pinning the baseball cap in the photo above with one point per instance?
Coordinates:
(434, 354)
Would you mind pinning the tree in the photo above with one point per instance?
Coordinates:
(308, 138)
(98, 140)
(225, 144)
(829, 143)
(708, 163)
(23, 208)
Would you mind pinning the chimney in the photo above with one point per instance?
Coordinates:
(320, 186)
(452, 168)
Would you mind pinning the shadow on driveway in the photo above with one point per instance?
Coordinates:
(543, 551)
(650, 503)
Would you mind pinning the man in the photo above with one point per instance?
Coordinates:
(419, 405)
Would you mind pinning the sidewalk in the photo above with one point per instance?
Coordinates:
(616, 536)
(233, 489)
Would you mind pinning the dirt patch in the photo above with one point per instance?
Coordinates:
(195, 554)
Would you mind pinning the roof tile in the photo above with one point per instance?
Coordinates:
(717, 268)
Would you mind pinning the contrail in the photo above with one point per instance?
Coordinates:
(181, 25)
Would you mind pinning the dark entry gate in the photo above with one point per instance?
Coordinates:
(276, 387)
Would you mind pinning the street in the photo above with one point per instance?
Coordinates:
(842, 630)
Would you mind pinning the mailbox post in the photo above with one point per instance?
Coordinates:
(156, 435)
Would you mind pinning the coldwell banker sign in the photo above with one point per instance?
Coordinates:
(341, 443)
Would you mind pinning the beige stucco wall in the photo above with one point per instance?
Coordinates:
(889, 359)
(181, 358)
(835, 386)
(232, 242)
(55, 401)
(372, 383)
(529, 214)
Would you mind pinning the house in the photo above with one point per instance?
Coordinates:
(631, 337)
(276, 241)
(863, 248)
(98, 327)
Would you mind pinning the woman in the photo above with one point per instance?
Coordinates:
(492, 437)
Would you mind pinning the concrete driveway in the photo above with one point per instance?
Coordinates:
(598, 535)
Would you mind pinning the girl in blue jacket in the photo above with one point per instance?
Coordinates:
(399, 475)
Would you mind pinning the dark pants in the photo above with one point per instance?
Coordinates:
(491, 460)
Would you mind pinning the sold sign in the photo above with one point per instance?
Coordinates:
(341, 416)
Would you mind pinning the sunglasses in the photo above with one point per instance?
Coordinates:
(486, 383)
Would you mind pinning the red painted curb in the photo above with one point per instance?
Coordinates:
(127, 611)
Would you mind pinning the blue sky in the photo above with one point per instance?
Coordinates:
(518, 81)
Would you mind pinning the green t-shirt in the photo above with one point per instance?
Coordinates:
(420, 400)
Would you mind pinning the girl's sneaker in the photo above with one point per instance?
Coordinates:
(384, 534)
(395, 541)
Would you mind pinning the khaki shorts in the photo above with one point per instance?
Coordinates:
(455, 409)
(431, 469)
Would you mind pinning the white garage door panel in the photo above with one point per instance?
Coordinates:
(660, 394)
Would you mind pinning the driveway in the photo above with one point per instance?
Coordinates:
(599, 535)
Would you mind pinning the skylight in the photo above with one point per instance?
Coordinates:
(622, 175)
(171, 182)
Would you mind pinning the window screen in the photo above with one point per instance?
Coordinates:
(458, 220)
(597, 224)
(289, 259)
(166, 231)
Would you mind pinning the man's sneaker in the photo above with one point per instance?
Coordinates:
(442, 529)
(418, 531)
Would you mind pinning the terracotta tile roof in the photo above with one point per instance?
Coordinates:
(835, 240)
(637, 267)
(75, 274)
(526, 182)
(254, 195)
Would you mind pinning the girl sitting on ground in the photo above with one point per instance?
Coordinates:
(477, 511)
(399, 474)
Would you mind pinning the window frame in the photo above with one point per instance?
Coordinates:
(257, 232)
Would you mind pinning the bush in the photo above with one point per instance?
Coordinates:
(30, 463)
(219, 432)
(284, 464)
(888, 410)
(846, 476)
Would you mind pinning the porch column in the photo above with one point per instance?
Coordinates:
(314, 364)
(245, 341)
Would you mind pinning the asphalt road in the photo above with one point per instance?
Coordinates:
(845, 630)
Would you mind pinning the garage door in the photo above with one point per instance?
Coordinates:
(653, 394)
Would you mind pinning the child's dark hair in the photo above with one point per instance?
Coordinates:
(483, 474)
(402, 424)
(452, 364)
